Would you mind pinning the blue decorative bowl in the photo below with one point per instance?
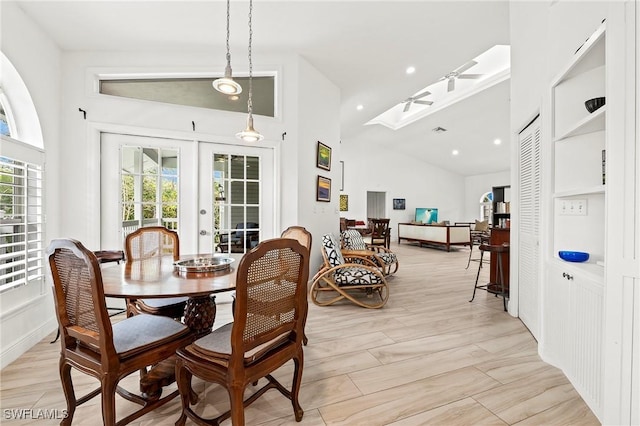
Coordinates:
(573, 256)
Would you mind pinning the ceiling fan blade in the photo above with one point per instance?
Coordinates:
(470, 76)
(451, 85)
(406, 107)
(466, 67)
(421, 95)
(423, 102)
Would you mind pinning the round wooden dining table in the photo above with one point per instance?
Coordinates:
(157, 277)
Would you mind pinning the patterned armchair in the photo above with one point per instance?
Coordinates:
(361, 283)
(384, 258)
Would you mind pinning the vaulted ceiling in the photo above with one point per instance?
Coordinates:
(364, 47)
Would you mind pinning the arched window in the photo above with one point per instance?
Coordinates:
(486, 203)
(21, 185)
(6, 121)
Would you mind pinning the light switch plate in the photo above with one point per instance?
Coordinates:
(573, 207)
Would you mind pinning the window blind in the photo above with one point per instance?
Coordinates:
(21, 214)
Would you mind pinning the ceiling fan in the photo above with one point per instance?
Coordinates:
(416, 100)
(459, 74)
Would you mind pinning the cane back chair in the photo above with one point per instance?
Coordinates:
(270, 309)
(92, 345)
(149, 242)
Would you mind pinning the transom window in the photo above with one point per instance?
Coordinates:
(196, 92)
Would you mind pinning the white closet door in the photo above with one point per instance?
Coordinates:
(529, 214)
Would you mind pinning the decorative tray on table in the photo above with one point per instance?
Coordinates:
(204, 264)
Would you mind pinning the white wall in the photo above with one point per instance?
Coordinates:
(319, 118)
(27, 313)
(400, 176)
(476, 186)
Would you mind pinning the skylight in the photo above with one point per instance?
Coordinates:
(482, 72)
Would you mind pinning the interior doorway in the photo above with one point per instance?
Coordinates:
(376, 204)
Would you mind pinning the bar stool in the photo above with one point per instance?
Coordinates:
(496, 288)
(477, 238)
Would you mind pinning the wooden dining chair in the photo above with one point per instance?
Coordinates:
(92, 345)
(304, 237)
(149, 242)
(270, 310)
(380, 233)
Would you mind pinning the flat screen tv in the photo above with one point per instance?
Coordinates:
(426, 215)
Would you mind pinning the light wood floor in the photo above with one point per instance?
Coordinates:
(428, 357)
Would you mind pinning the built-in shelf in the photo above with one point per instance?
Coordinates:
(580, 191)
(590, 53)
(594, 122)
(590, 269)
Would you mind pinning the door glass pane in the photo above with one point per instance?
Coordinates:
(253, 168)
(253, 193)
(237, 167)
(236, 191)
(149, 187)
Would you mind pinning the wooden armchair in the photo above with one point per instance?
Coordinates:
(92, 345)
(269, 315)
(149, 242)
(361, 283)
(385, 259)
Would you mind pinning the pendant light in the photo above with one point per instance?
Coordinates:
(250, 134)
(226, 84)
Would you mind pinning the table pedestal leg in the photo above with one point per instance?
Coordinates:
(200, 313)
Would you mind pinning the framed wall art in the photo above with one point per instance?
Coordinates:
(398, 204)
(323, 189)
(344, 203)
(323, 158)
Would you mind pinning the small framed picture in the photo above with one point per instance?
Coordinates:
(323, 189)
(323, 160)
(344, 203)
(398, 204)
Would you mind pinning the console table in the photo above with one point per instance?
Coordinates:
(442, 235)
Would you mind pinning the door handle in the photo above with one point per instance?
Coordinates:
(203, 232)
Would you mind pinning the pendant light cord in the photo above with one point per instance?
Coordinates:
(249, 102)
(228, 50)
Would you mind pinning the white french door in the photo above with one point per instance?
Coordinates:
(236, 197)
(171, 182)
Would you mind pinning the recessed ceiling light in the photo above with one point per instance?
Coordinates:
(411, 70)
(455, 152)
(497, 141)
(234, 97)
(359, 107)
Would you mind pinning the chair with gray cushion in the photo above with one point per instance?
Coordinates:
(267, 332)
(93, 346)
(360, 283)
(387, 260)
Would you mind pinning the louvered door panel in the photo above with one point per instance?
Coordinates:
(529, 219)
